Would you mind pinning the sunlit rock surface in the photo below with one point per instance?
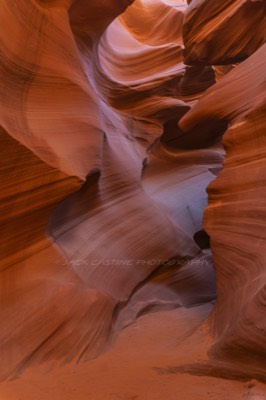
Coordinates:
(109, 141)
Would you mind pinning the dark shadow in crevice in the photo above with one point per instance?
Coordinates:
(76, 207)
(202, 136)
(202, 239)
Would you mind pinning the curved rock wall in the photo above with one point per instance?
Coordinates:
(88, 97)
(235, 216)
(223, 32)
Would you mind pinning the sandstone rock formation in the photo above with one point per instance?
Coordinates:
(108, 145)
(223, 32)
(234, 216)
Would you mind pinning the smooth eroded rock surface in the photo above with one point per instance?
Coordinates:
(115, 118)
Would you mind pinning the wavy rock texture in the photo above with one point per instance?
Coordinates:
(234, 218)
(89, 97)
(64, 82)
(208, 28)
(30, 191)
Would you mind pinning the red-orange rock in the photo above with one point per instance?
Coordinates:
(223, 32)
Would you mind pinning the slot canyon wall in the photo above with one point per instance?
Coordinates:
(115, 118)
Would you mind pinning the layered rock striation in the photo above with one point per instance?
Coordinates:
(109, 114)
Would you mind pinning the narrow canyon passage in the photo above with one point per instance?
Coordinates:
(132, 205)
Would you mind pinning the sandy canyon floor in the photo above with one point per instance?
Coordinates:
(141, 366)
